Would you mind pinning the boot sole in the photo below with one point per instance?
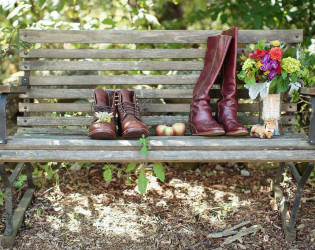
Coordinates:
(195, 132)
(134, 133)
(237, 133)
(102, 135)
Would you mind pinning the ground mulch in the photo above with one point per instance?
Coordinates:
(85, 212)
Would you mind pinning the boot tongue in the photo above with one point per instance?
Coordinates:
(101, 97)
(125, 95)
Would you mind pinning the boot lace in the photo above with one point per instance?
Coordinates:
(100, 108)
(129, 108)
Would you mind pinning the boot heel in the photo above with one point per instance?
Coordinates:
(192, 129)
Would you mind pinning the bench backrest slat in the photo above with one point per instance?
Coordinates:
(111, 65)
(148, 120)
(94, 80)
(145, 108)
(113, 53)
(152, 36)
(141, 93)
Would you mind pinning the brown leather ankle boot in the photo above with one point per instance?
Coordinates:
(227, 106)
(103, 126)
(129, 116)
(201, 121)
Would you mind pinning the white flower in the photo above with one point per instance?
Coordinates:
(103, 117)
(311, 49)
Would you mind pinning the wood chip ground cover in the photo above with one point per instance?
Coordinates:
(85, 212)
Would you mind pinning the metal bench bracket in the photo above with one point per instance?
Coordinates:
(3, 119)
(288, 221)
(311, 134)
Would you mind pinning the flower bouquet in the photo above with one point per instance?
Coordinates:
(273, 68)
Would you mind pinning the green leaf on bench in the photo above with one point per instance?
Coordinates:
(144, 150)
(142, 182)
(159, 171)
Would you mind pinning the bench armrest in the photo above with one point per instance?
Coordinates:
(311, 134)
(308, 91)
(7, 89)
(4, 91)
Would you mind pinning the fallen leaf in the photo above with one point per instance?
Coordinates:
(274, 205)
(220, 187)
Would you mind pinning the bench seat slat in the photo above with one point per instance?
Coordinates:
(141, 93)
(157, 156)
(148, 120)
(74, 143)
(113, 53)
(110, 65)
(111, 80)
(152, 36)
(149, 107)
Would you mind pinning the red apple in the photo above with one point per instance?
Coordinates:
(169, 131)
(179, 129)
(160, 130)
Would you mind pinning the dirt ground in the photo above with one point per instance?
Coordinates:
(85, 212)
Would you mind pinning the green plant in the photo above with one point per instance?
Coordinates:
(134, 170)
(144, 144)
(38, 212)
(20, 181)
(2, 197)
(50, 171)
(108, 172)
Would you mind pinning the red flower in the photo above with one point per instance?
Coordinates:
(276, 53)
(260, 53)
(279, 68)
(252, 55)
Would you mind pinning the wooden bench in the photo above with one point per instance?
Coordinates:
(163, 65)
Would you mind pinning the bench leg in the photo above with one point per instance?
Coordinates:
(288, 222)
(14, 221)
(8, 201)
(297, 198)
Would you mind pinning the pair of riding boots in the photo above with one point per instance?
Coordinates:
(129, 121)
(221, 55)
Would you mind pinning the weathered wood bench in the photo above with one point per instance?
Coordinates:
(163, 66)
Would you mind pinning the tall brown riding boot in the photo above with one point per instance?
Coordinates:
(129, 116)
(227, 106)
(201, 121)
(103, 121)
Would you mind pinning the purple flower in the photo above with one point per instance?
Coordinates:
(265, 59)
(266, 63)
(265, 67)
(273, 64)
(272, 74)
